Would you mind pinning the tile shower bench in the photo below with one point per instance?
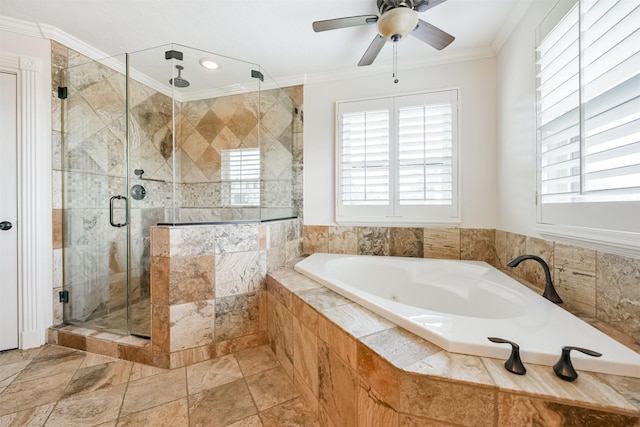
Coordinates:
(358, 369)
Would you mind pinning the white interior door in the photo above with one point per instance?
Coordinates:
(8, 213)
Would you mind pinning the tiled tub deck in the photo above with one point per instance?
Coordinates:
(357, 369)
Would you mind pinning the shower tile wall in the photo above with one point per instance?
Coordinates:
(94, 142)
(599, 287)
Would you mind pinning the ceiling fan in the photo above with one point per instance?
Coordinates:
(397, 19)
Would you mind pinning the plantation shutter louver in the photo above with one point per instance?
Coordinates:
(241, 175)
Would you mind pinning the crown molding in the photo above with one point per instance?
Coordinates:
(20, 27)
(510, 24)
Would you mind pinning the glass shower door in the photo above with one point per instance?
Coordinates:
(95, 221)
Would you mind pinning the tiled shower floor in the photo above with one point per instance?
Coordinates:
(57, 386)
(115, 321)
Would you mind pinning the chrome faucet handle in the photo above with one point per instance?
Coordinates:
(513, 363)
(564, 368)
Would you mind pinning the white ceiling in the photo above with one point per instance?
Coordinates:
(276, 34)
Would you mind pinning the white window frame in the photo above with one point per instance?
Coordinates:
(394, 213)
(601, 222)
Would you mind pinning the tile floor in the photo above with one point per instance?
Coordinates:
(57, 386)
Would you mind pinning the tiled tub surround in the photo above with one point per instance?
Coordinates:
(357, 369)
(207, 294)
(598, 287)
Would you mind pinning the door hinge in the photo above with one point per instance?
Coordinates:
(62, 92)
(64, 296)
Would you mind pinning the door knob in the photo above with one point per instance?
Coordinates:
(5, 225)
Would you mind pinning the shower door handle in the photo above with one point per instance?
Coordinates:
(126, 205)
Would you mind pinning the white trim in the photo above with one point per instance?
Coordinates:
(615, 242)
(34, 200)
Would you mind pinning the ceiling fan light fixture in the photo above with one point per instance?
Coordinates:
(395, 24)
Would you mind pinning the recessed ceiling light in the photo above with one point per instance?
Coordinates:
(209, 64)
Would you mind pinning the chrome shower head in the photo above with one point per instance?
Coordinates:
(179, 81)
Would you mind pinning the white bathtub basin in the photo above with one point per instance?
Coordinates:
(458, 304)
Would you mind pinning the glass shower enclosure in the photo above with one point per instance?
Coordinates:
(168, 135)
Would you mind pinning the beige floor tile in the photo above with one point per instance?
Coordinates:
(172, 414)
(252, 421)
(256, 360)
(294, 413)
(270, 388)
(19, 396)
(212, 373)
(88, 408)
(10, 372)
(97, 377)
(28, 417)
(51, 361)
(221, 406)
(15, 356)
(154, 390)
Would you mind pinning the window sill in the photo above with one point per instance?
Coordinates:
(615, 242)
(398, 221)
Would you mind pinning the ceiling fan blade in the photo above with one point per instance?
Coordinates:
(422, 5)
(431, 35)
(372, 51)
(349, 21)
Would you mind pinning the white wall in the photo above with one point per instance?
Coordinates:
(477, 84)
(516, 100)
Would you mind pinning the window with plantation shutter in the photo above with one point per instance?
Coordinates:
(396, 159)
(240, 172)
(588, 87)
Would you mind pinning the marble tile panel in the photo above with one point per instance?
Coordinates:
(255, 360)
(160, 241)
(236, 316)
(154, 390)
(343, 240)
(337, 388)
(501, 247)
(160, 271)
(310, 396)
(525, 411)
(280, 321)
(172, 414)
(516, 245)
(30, 394)
(192, 324)
(315, 239)
(294, 413)
(532, 270)
(305, 355)
(406, 242)
(357, 320)
(241, 343)
(79, 342)
(99, 377)
(379, 374)
(294, 281)
(441, 243)
(212, 373)
(478, 244)
(626, 386)
(192, 241)
(160, 328)
(305, 314)
(339, 341)
(192, 279)
(56, 222)
(459, 367)
(322, 298)
(400, 347)
(446, 401)
(618, 292)
(88, 408)
(230, 403)
(190, 356)
(240, 272)
(575, 278)
(236, 238)
(270, 388)
(373, 241)
(35, 416)
(135, 354)
(373, 411)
